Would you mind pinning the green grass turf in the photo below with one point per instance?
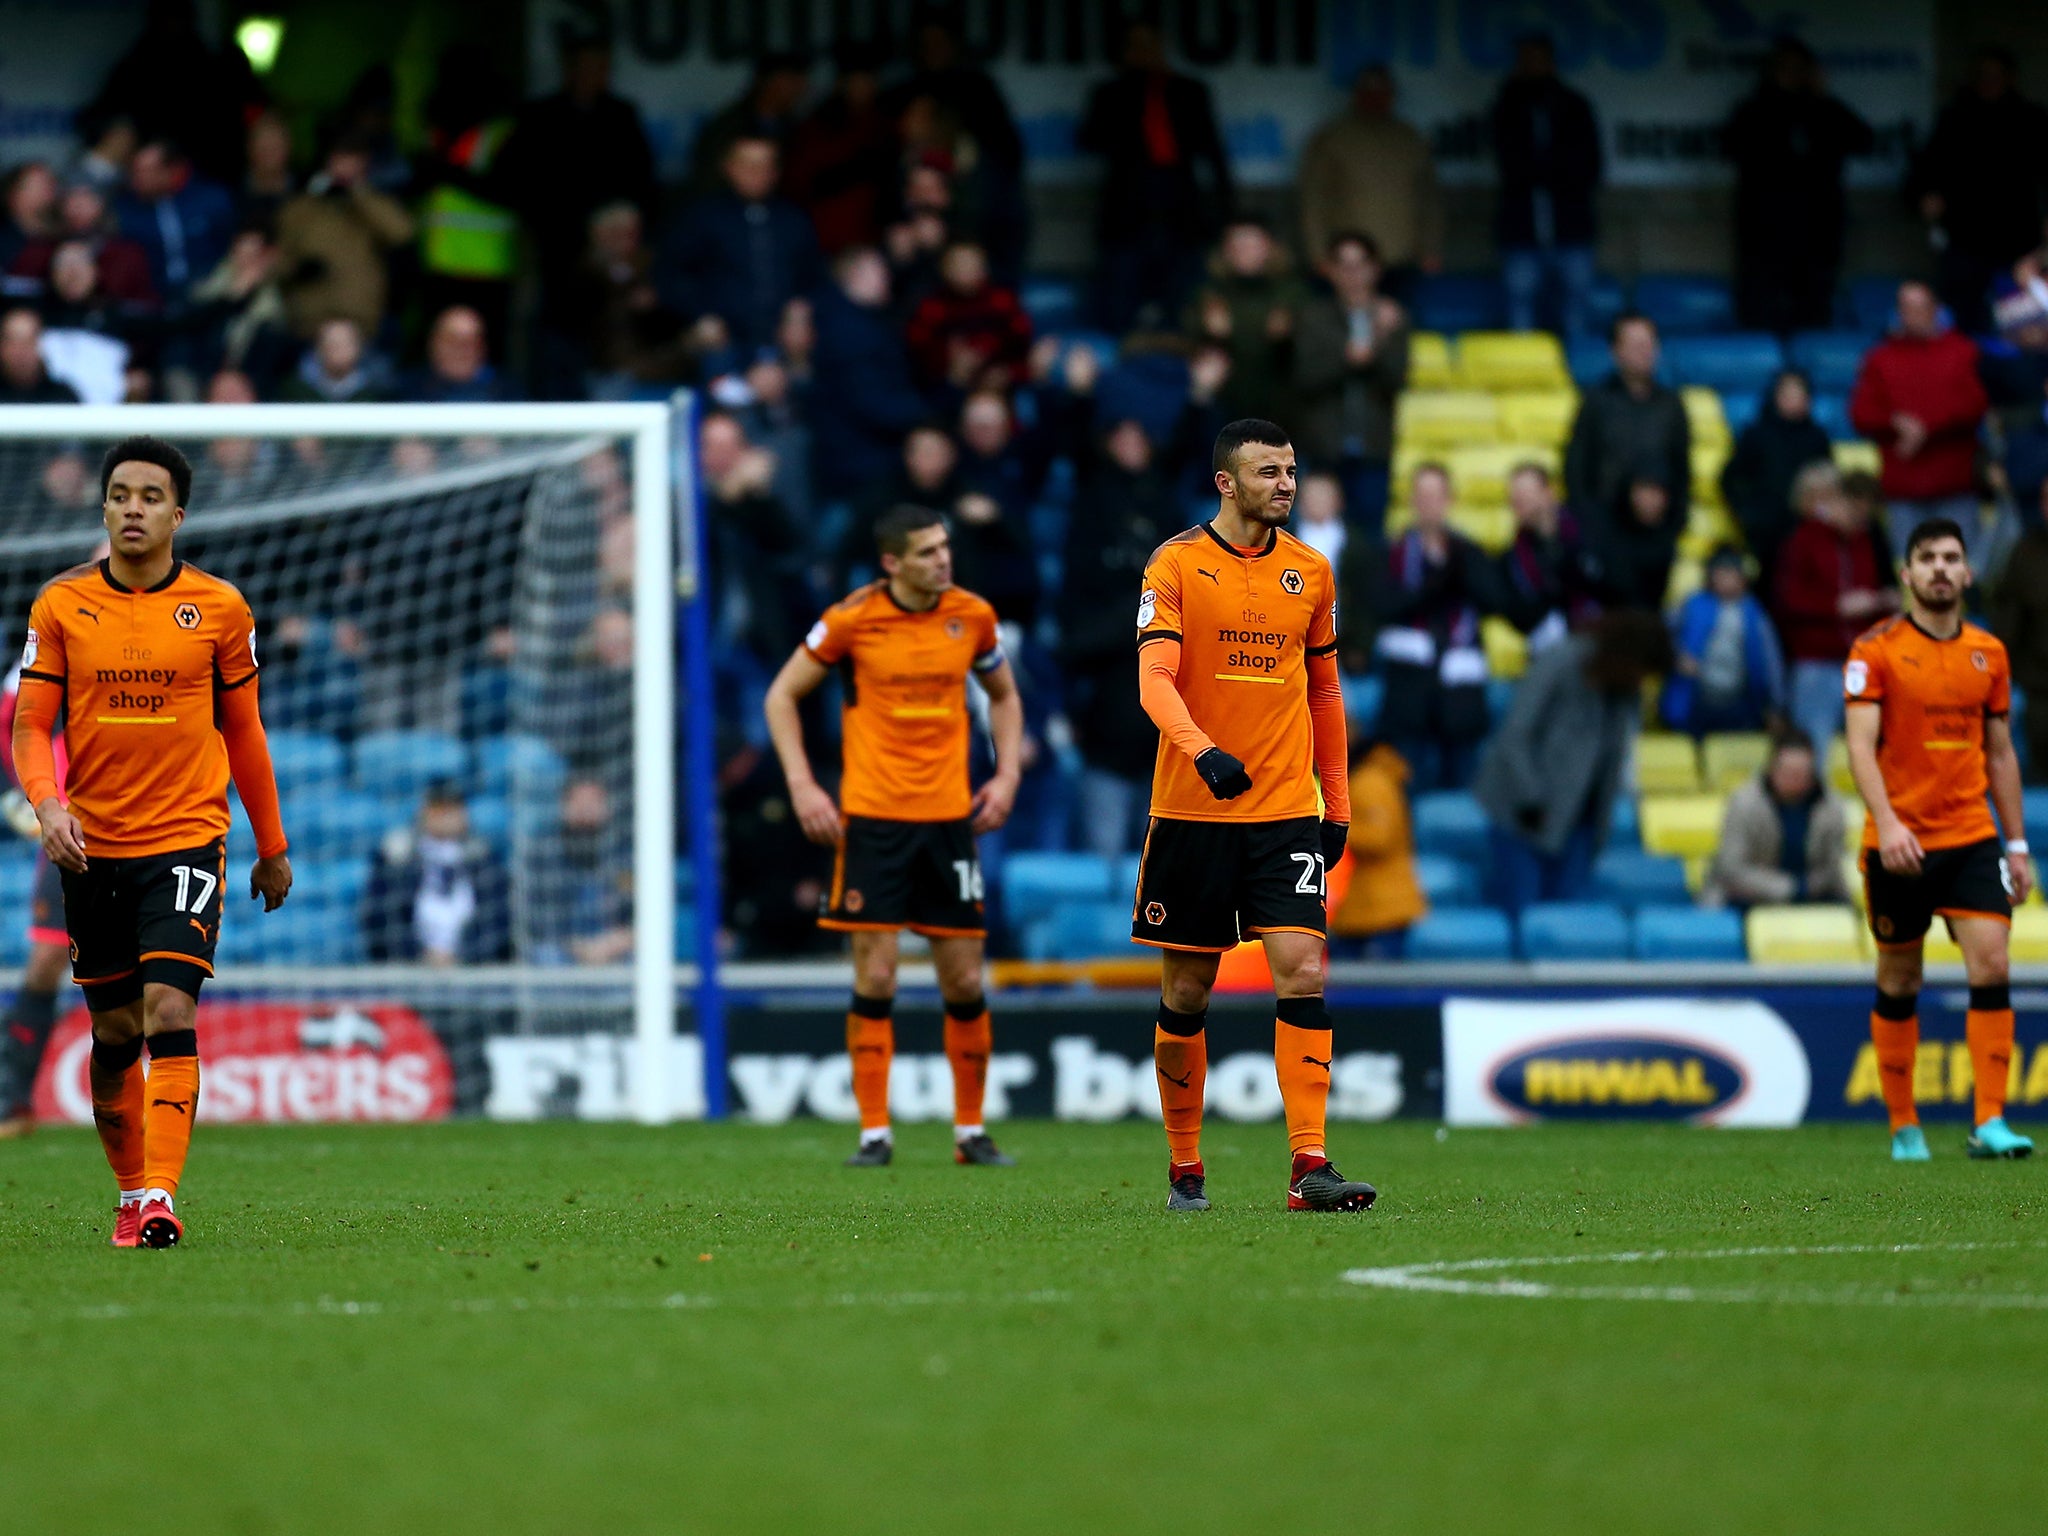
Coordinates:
(564, 1328)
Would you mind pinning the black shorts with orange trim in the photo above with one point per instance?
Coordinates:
(135, 921)
(1204, 885)
(920, 875)
(1969, 881)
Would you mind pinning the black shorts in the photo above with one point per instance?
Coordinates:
(135, 921)
(1953, 882)
(1204, 885)
(46, 904)
(920, 875)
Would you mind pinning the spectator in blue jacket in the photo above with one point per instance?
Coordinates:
(742, 253)
(183, 222)
(1730, 670)
(863, 399)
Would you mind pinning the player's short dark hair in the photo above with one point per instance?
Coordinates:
(154, 450)
(1934, 528)
(1251, 429)
(895, 526)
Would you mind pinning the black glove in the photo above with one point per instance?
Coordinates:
(1223, 773)
(1334, 834)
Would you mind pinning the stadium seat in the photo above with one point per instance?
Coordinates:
(1624, 824)
(1706, 416)
(334, 885)
(526, 763)
(1829, 359)
(1839, 776)
(1035, 885)
(1500, 698)
(1462, 933)
(17, 882)
(1688, 933)
(1854, 457)
(1447, 882)
(1458, 301)
(2030, 934)
(1507, 648)
(1740, 410)
(2034, 806)
(1450, 822)
(1574, 930)
(1707, 462)
(490, 818)
(1430, 363)
(305, 935)
(1681, 826)
(1666, 764)
(403, 763)
(1801, 935)
(1742, 362)
(1589, 360)
(1503, 360)
(1539, 418)
(1481, 470)
(304, 759)
(1631, 878)
(1446, 418)
(1491, 528)
(1831, 415)
(1363, 695)
(1080, 930)
(1053, 303)
(1873, 304)
(1728, 758)
(1606, 302)
(341, 823)
(1123, 876)
(1686, 306)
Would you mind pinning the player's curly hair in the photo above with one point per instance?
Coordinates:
(148, 450)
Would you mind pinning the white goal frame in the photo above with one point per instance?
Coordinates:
(647, 426)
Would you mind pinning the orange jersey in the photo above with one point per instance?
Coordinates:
(148, 769)
(1933, 697)
(904, 718)
(1246, 624)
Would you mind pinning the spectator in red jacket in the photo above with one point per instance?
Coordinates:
(970, 334)
(1919, 399)
(1831, 586)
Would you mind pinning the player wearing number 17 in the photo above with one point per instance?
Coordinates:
(1237, 665)
(151, 665)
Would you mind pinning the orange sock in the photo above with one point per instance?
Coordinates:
(1988, 1028)
(1301, 1057)
(871, 1042)
(116, 1075)
(173, 1099)
(1895, 1032)
(1180, 1051)
(969, 1037)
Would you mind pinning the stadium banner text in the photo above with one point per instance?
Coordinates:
(1662, 73)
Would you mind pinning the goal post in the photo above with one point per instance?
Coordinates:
(466, 499)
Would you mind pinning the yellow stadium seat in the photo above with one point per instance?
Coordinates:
(1703, 411)
(1850, 457)
(1541, 416)
(1688, 575)
(1446, 418)
(1681, 826)
(1502, 360)
(1852, 872)
(1666, 764)
(2030, 933)
(1707, 459)
(1853, 818)
(1940, 947)
(1839, 775)
(1805, 935)
(1430, 365)
(1481, 470)
(1696, 869)
(1507, 649)
(1491, 528)
(1729, 757)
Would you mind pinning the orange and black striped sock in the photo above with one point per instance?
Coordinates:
(173, 1095)
(871, 1044)
(1301, 1057)
(969, 1038)
(1895, 1034)
(1180, 1052)
(1988, 1028)
(116, 1077)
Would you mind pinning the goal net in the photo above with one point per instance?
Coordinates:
(465, 627)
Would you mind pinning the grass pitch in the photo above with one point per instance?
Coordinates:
(567, 1328)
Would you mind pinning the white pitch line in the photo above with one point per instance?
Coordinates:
(1443, 1277)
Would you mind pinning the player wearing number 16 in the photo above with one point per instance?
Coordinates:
(1237, 666)
(151, 666)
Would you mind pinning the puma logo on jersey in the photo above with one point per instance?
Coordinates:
(1210, 574)
(87, 613)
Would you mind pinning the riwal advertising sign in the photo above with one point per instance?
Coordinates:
(1663, 74)
(1730, 1062)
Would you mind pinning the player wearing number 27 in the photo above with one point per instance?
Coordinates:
(1928, 697)
(1237, 665)
(151, 666)
(906, 817)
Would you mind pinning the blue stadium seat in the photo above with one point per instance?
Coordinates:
(1589, 359)
(535, 767)
(239, 942)
(1459, 301)
(17, 881)
(1574, 930)
(403, 763)
(1053, 303)
(1364, 693)
(1742, 363)
(1607, 301)
(1740, 409)
(1624, 826)
(1628, 877)
(1450, 822)
(302, 759)
(1036, 885)
(1689, 933)
(1462, 933)
(334, 885)
(1123, 877)
(1447, 882)
(14, 944)
(1686, 306)
(1831, 413)
(1500, 698)
(304, 935)
(1080, 930)
(340, 823)
(490, 818)
(241, 836)
(1872, 304)
(2034, 806)
(1829, 359)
